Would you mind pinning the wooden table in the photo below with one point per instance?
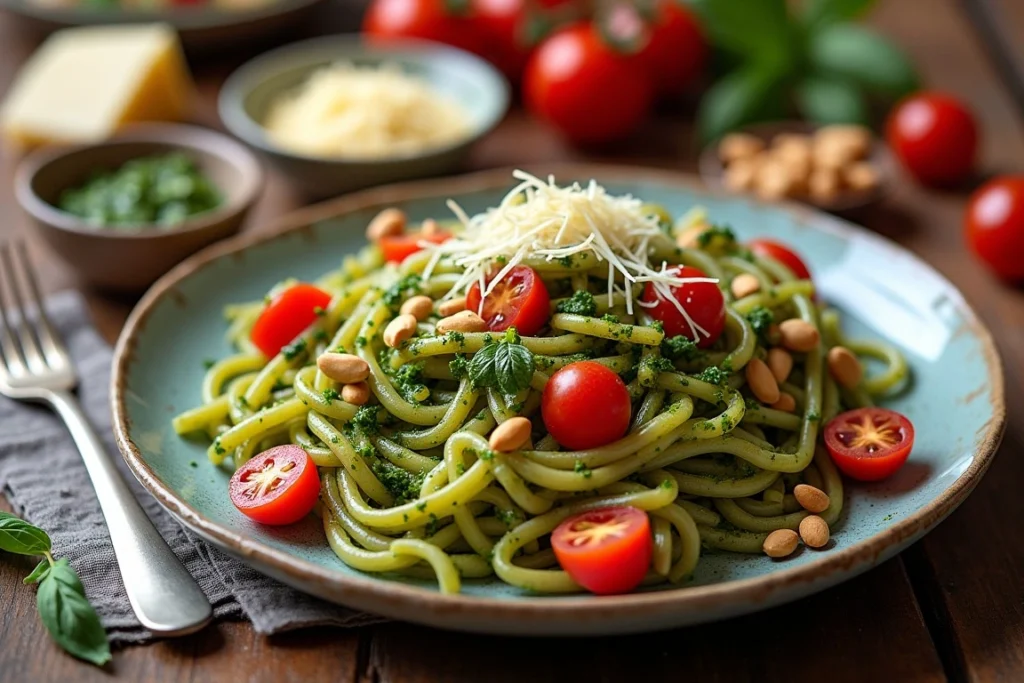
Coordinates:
(950, 608)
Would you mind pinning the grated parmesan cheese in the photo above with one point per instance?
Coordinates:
(365, 112)
(540, 220)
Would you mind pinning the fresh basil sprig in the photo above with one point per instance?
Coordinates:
(506, 365)
(63, 607)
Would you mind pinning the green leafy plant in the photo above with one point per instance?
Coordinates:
(63, 607)
(506, 365)
(810, 59)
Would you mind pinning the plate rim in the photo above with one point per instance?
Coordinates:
(394, 598)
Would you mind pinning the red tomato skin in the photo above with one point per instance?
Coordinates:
(702, 300)
(995, 226)
(676, 50)
(935, 137)
(583, 88)
(425, 19)
(615, 566)
(397, 248)
(503, 22)
(290, 501)
(863, 466)
(585, 405)
(533, 310)
(287, 315)
(766, 248)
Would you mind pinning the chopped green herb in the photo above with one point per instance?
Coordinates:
(293, 350)
(714, 375)
(365, 419)
(580, 303)
(209, 363)
(761, 320)
(609, 318)
(330, 394)
(459, 366)
(410, 284)
(682, 348)
(404, 485)
(581, 469)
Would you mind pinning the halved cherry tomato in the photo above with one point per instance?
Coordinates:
(607, 550)
(286, 316)
(703, 301)
(520, 300)
(675, 49)
(935, 137)
(585, 405)
(995, 226)
(766, 248)
(278, 486)
(396, 248)
(869, 444)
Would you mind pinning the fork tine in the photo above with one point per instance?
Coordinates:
(33, 358)
(52, 347)
(14, 363)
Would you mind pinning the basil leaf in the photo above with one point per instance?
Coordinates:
(503, 366)
(820, 12)
(737, 99)
(752, 28)
(20, 537)
(827, 101)
(68, 616)
(862, 57)
(39, 573)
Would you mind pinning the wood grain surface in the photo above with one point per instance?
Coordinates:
(950, 608)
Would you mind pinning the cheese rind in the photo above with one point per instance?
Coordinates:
(85, 83)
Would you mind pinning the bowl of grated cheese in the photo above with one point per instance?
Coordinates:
(337, 114)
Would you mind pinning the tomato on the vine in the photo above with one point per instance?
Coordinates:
(995, 226)
(766, 248)
(278, 486)
(397, 248)
(869, 444)
(286, 316)
(583, 87)
(519, 300)
(607, 550)
(935, 136)
(674, 51)
(427, 19)
(702, 301)
(585, 405)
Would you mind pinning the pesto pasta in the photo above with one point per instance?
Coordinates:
(410, 480)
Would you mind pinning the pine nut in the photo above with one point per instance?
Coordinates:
(429, 228)
(780, 363)
(452, 306)
(510, 435)
(399, 329)
(418, 307)
(780, 543)
(739, 176)
(739, 146)
(814, 531)
(811, 498)
(844, 366)
(786, 403)
(357, 394)
(343, 367)
(463, 321)
(798, 335)
(761, 381)
(823, 185)
(744, 284)
(386, 223)
(861, 176)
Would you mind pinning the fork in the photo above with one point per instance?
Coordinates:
(35, 366)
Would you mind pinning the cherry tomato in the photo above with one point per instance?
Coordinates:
(585, 405)
(935, 137)
(426, 19)
(675, 50)
(278, 486)
(520, 300)
(286, 316)
(580, 85)
(995, 225)
(606, 551)
(504, 24)
(869, 444)
(780, 252)
(397, 248)
(703, 301)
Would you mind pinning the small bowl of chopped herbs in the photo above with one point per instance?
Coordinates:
(125, 211)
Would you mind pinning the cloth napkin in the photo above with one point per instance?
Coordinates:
(43, 478)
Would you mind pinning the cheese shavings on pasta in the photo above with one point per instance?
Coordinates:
(539, 220)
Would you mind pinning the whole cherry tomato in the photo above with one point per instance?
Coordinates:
(278, 486)
(674, 51)
(286, 316)
(995, 225)
(585, 405)
(869, 444)
(702, 301)
(519, 300)
(583, 87)
(607, 550)
(935, 136)
(427, 19)
(505, 24)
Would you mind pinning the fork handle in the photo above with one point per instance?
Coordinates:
(163, 595)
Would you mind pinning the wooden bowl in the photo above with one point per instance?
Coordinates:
(130, 259)
(712, 170)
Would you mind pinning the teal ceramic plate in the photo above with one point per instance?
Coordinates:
(956, 404)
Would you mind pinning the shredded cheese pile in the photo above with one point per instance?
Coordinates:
(365, 112)
(540, 220)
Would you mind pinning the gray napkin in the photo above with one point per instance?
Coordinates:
(42, 476)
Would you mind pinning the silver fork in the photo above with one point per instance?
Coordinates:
(35, 366)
